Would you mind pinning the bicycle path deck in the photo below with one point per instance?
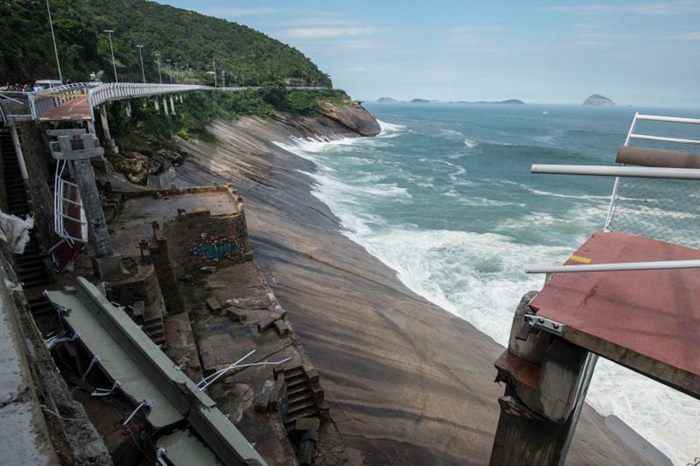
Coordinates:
(648, 321)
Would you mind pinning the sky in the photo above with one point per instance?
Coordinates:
(635, 52)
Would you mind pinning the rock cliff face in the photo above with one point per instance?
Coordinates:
(597, 100)
(354, 117)
(408, 383)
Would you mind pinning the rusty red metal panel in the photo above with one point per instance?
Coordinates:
(522, 371)
(652, 313)
(75, 110)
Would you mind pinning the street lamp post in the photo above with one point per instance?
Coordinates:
(143, 70)
(53, 37)
(111, 49)
(160, 76)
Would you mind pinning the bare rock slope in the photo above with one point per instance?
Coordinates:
(408, 383)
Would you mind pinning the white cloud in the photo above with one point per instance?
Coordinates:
(328, 32)
(643, 9)
(688, 36)
(233, 12)
(591, 38)
(472, 35)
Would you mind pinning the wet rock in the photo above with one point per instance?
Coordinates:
(353, 116)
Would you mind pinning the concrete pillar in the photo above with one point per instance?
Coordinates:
(19, 153)
(108, 141)
(165, 107)
(545, 378)
(156, 104)
(90, 197)
(128, 109)
(172, 105)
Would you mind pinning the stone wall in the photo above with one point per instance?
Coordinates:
(38, 160)
(199, 239)
(193, 243)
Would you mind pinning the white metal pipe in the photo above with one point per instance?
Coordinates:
(19, 153)
(609, 170)
(669, 119)
(649, 137)
(616, 267)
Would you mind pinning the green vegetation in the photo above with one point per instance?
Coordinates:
(147, 130)
(189, 43)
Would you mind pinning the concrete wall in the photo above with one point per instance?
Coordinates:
(3, 193)
(193, 241)
(38, 159)
(199, 239)
(41, 422)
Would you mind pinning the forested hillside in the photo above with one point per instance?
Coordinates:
(188, 43)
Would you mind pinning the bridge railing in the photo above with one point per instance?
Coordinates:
(32, 105)
(16, 106)
(48, 99)
(120, 91)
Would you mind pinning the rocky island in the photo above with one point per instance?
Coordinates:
(597, 100)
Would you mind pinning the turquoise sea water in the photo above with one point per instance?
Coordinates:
(445, 197)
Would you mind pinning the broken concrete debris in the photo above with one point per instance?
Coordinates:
(181, 304)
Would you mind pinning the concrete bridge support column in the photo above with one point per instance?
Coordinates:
(156, 104)
(90, 196)
(172, 105)
(546, 381)
(107, 134)
(165, 106)
(128, 109)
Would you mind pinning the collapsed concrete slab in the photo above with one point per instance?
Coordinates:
(146, 375)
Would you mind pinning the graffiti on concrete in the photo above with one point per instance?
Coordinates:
(217, 249)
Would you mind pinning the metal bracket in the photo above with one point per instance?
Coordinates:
(545, 324)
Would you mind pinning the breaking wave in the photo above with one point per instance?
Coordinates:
(480, 276)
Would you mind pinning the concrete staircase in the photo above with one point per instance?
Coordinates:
(155, 330)
(305, 397)
(30, 266)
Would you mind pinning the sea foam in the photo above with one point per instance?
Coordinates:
(480, 277)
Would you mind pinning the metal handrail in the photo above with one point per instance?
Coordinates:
(626, 171)
(668, 119)
(97, 94)
(616, 267)
(16, 105)
(119, 91)
(619, 171)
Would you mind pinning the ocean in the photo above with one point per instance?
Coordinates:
(444, 196)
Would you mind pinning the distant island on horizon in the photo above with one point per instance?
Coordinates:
(391, 100)
(597, 100)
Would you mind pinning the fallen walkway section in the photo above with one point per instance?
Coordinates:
(146, 375)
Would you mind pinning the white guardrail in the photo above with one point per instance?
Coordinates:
(623, 172)
(30, 105)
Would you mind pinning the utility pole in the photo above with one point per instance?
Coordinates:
(111, 49)
(53, 37)
(160, 76)
(143, 71)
